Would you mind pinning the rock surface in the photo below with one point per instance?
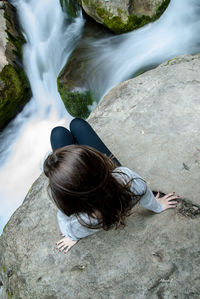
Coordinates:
(157, 117)
(152, 124)
(3, 41)
(124, 16)
(14, 86)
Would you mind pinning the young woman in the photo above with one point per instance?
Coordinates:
(90, 187)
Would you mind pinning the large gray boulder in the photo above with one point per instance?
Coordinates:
(151, 123)
(124, 16)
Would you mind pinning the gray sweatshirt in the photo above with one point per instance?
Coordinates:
(70, 226)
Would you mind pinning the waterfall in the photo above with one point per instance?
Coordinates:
(51, 37)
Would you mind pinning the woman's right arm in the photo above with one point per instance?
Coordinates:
(71, 227)
(72, 230)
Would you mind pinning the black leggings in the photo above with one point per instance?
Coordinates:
(80, 133)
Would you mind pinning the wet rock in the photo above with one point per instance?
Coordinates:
(151, 123)
(14, 86)
(3, 37)
(124, 16)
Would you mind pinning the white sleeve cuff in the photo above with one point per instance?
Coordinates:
(149, 202)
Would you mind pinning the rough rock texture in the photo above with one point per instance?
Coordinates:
(152, 124)
(14, 86)
(3, 41)
(157, 116)
(123, 16)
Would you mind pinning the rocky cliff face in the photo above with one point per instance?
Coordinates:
(151, 123)
(3, 36)
(14, 86)
(124, 16)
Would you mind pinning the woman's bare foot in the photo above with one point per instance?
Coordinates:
(167, 201)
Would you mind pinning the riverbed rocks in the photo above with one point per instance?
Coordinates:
(151, 123)
(14, 86)
(124, 16)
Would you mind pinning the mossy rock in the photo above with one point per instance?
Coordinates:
(120, 21)
(15, 38)
(14, 93)
(76, 102)
(14, 86)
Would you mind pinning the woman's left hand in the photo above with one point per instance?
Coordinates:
(168, 201)
(65, 243)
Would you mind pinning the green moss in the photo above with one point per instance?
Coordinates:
(4, 227)
(161, 8)
(76, 103)
(14, 93)
(138, 73)
(29, 189)
(168, 61)
(86, 2)
(3, 268)
(116, 24)
(71, 7)
(14, 86)
(9, 294)
(18, 41)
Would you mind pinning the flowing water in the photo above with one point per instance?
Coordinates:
(51, 37)
(115, 59)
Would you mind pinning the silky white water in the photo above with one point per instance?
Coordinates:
(51, 37)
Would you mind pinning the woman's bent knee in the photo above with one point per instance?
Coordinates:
(60, 137)
(58, 131)
(77, 124)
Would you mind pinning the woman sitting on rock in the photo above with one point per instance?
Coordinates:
(90, 187)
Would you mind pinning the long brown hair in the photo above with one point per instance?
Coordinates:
(81, 181)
